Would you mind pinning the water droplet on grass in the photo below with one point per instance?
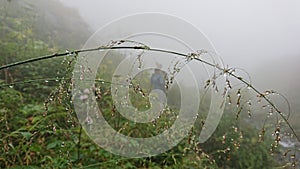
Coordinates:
(89, 120)
(69, 52)
(249, 113)
(154, 124)
(238, 93)
(228, 84)
(54, 129)
(45, 113)
(293, 156)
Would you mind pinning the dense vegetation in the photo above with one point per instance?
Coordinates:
(39, 128)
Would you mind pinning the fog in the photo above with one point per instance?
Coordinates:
(262, 37)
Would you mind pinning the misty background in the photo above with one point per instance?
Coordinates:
(262, 37)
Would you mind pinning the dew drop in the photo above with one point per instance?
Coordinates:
(69, 53)
(224, 140)
(238, 93)
(154, 123)
(229, 99)
(45, 113)
(196, 117)
(89, 120)
(54, 129)
(249, 113)
(228, 84)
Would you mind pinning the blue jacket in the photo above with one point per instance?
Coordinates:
(158, 81)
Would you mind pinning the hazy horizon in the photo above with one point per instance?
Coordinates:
(262, 37)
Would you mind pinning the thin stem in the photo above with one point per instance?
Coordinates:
(33, 60)
(269, 101)
(79, 142)
(76, 52)
(48, 80)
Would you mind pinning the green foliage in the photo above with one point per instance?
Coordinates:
(236, 145)
(39, 128)
(24, 34)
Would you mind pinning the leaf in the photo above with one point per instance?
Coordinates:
(27, 135)
(35, 119)
(36, 148)
(11, 145)
(53, 144)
